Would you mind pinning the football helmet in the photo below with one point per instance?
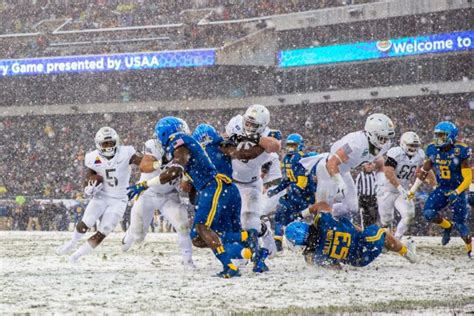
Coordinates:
(206, 134)
(380, 130)
(445, 133)
(410, 142)
(106, 135)
(297, 233)
(296, 140)
(256, 119)
(168, 126)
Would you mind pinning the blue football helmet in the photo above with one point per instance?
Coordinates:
(297, 233)
(168, 126)
(295, 139)
(445, 133)
(206, 134)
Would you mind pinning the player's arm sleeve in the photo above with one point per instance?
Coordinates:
(466, 171)
(281, 186)
(301, 177)
(391, 162)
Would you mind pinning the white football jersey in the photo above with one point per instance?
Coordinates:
(246, 171)
(116, 171)
(274, 171)
(405, 166)
(356, 146)
(152, 150)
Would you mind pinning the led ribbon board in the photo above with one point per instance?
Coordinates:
(406, 46)
(112, 62)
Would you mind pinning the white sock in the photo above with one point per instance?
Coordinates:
(184, 242)
(76, 236)
(83, 250)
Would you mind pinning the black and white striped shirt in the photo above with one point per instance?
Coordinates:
(365, 183)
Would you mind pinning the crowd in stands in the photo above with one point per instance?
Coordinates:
(45, 16)
(44, 155)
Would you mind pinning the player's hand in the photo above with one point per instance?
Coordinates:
(134, 191)
(229, 143)
(254, 138)
(235, 138)
(410, 195)
(270, 193)
(452, 196)
(92, 188)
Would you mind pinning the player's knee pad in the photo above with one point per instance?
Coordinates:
(430, 213)
(81, 227)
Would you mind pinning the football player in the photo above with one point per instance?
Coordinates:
(221, 152)
(299, 187)
(110, 162)
(450, 161)
(331, 242)
(354, 149)
(400, 168)
(163, 197)
(253, 126)
(216, 194)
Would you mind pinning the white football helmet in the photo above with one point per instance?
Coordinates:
(104, 135)
(380, 130)
(256, 119)
(410, 142)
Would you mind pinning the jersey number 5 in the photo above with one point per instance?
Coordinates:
(344, 240)
(111, 178)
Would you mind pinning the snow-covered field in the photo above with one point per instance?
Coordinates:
(149, 279)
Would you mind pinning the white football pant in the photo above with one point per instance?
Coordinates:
(388, 202)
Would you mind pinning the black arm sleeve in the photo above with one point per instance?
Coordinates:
(390, 162)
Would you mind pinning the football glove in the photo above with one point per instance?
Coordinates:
(254, 138)
(134, 191)
(92, 188)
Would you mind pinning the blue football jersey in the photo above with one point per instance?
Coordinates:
(336, 240)
(222, 162)
(199, 169)
(447, 164)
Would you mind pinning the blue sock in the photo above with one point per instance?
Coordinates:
(252, 241)
(224, 258)
(278, 229)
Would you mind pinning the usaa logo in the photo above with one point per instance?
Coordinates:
(457, 151)
(384, 46)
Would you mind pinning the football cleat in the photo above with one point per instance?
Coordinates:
(127, 242)
(446, 235)
(259, 261)
(66, 248)
(228, 273)
(411, 252)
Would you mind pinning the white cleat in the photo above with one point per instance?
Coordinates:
(127, 242)
(189, 265)
(64, 249)
(411, 252)
(268, 241)
(73, 259)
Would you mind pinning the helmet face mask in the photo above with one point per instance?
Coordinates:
(106, 142)
(410, 143)
(380, 130)
(445, 133)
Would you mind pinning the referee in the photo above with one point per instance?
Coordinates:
(365, 182)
